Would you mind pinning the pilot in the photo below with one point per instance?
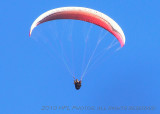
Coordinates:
(77, 84)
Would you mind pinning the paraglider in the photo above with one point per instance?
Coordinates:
(83, 14)
(77, 84)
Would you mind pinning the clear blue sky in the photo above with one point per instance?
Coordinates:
(32, 76)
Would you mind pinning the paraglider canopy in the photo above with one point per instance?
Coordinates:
(84, 14)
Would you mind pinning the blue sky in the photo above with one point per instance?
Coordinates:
(33, 75)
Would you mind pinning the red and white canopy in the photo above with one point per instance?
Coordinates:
(84, 14)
